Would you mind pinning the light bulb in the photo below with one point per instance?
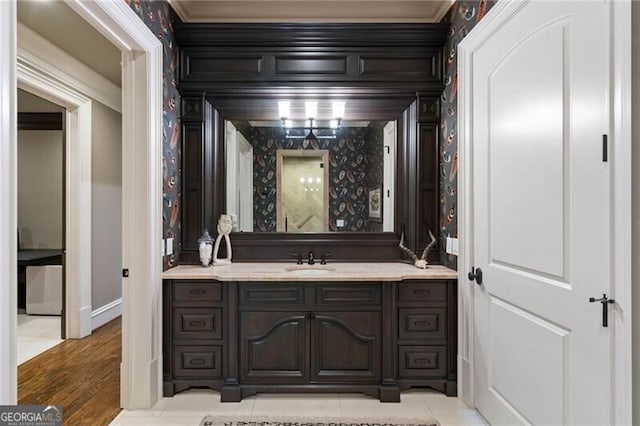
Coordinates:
(311, 109)
(338, 109)
(284, 109)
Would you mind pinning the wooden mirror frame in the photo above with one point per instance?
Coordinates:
(239, 71)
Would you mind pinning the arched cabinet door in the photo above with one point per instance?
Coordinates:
(274, 347)
(345, 346)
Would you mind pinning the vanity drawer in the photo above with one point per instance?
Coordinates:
(422, 361)
(197, 323)
(423, 291)
(422, 323)
(284, 294)
(347, 294)
(197, 361)
(197, 291)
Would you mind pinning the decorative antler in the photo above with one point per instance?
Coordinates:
(422, 261)
(428, 247)
(405, 249)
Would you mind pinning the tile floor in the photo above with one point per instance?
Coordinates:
(36, 334)
(188, 408)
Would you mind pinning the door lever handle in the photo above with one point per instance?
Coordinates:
(475, 275)
(604, 300)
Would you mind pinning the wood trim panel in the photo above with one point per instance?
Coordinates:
(259, 293)
(40, 120)
(312, 35)
(312, 65)
(346, 293)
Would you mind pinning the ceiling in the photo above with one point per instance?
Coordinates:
(62, 26)
(310, 11)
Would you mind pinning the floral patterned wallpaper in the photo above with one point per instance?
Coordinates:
(161, 20)
(349, 165)
(464, 15)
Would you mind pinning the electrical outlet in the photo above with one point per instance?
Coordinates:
(169, 250)
(452, 246)
(340, 223)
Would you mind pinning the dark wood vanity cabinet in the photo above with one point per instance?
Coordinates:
(193, 336)
(427, 335)
(302, 347)
(310, 333)
(376, 338)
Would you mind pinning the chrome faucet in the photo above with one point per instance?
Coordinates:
(312, 261)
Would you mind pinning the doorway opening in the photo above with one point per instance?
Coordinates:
(41, 225)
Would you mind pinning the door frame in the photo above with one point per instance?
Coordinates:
(141, 369)
(281, 154)
(621, 161)
(41, 77)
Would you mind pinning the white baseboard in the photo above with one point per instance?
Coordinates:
(106, 313)
(465, 381)
(151, 373)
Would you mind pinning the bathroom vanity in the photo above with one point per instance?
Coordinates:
(244, 328)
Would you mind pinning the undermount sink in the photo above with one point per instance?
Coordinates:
(311, 270)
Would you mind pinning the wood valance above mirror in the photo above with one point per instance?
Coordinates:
(239, 71)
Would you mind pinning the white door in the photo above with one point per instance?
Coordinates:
(231, 148)
(541, 216)
(389, 168)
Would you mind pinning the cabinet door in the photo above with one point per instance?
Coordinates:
(345, 346)
(274, 347)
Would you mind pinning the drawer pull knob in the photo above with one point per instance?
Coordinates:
(422, 323)
(422, 361)
(197, 361)
(197, 291)
(196, 323)
(422, 291)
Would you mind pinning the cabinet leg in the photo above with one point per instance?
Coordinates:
(231, 394)
(389, 394)
(451, 388)
(168, 389)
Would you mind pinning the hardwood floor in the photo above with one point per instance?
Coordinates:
(81, 375)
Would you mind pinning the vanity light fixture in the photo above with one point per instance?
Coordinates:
(311, 129)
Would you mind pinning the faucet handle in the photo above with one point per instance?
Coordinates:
(323, 258)
(298, 257)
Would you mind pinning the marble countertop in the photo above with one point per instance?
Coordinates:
(356, 271)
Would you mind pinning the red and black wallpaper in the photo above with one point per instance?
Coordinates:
(161, 20)
(464, 15)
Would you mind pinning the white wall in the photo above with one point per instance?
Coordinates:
(106, 206)
(40, 182)
(636, 211)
